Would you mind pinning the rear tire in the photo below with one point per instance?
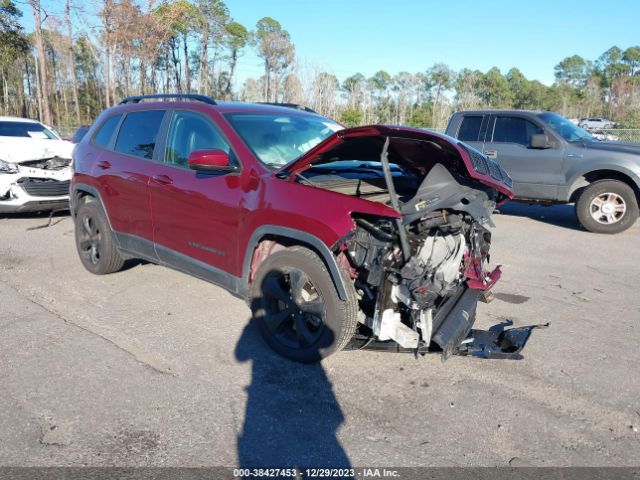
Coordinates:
(607, 206)
(95, 241)
(297, 307)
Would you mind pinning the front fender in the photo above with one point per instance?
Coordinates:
(576, 176)
(300, 236)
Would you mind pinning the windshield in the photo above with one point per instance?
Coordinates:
(277, 139)
(564, 128)
(26, 129)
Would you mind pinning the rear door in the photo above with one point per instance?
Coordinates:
(122, 170)
(536, 173)
(195, 214)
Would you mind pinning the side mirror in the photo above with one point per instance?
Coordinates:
(213, 160)
(539, 140)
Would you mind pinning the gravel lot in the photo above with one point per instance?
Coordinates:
(149, 367)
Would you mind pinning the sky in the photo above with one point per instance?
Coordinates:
(349, 36)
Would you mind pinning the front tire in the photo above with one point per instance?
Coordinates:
(297, 307)
(607, 206)
(95, 241)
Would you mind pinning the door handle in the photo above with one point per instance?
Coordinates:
(491, 153)
(162, 179)
(103, 164)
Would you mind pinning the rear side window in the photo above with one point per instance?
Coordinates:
(103, 137)
(514, 130)
(470, 129)
(138, 133)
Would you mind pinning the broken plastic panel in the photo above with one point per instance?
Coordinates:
(496, 343)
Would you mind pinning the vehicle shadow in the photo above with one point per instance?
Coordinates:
(292, 414)
(558, 215)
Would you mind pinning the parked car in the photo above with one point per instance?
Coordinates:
(553, 161)
(35, 169)
(79, 133)
(595, 123)
(370, 235)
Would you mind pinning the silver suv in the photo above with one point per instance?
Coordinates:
(596, 123)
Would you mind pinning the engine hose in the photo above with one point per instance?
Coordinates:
(371, 227)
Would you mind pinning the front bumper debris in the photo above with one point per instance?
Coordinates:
(496, 343)
(34, 189)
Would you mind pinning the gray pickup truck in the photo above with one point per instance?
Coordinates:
(551, 160)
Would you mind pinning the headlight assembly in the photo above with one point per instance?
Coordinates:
(6, 167)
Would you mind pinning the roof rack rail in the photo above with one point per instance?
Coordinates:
(184, 96)
(290, 105)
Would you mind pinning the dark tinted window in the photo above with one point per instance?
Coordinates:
(191, 131)
(138, 133)
(80, 133)
(105, 133)
(470, 129)
(514, 130)
(26, 129)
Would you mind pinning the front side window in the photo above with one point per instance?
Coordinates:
(27, 130)
(277, 139)
(470, 129)
(191, 131)
(515, 130)
(564, 128)
(138, 133)
(103, 136)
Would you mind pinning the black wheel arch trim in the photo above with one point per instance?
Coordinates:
(87, 189)
(318, 245)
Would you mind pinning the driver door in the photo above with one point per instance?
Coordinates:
(536, 173)
(195, 214)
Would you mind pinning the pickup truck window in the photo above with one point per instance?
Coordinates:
(514, 130)
(470, 129)
(564, 128)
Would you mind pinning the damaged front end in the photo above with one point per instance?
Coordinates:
(419, 276)
(35, 185)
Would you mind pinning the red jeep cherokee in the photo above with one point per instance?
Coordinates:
(371, 236)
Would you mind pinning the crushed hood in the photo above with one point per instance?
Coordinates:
(23, 149)
(410, 147)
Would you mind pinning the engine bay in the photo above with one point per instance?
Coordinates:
(419, 277)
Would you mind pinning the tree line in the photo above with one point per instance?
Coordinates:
(77, 62)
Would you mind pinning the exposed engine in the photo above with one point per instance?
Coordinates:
(420, 271)
(405, 291)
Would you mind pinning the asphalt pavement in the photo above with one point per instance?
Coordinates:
(150, 367)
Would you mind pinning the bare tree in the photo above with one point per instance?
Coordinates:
(72, 60)
(43, 80)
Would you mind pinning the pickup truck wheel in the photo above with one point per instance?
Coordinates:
(95, 241)
(607, 206)
(297, 307)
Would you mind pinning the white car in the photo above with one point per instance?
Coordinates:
(35, 166)
(593, 123)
